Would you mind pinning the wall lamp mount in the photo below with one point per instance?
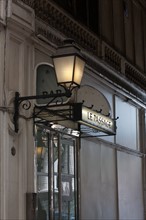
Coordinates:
(69, 68)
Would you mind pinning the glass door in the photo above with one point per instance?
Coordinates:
(42, 153)
(56, 175)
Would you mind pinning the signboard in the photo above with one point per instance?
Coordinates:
(93, 119)
(46, 83)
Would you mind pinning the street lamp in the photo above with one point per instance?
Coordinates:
(69, 68)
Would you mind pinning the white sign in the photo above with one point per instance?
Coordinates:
(97, 120)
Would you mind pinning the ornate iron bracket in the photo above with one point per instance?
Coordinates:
(27, 104)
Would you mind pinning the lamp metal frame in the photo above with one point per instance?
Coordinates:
(18, 100)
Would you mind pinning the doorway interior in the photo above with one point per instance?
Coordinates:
(57, 174)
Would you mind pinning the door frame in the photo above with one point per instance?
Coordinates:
(70, 138)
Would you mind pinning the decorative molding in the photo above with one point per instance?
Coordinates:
(2, 11)
(61, 21)
(22, 15)
(44, 32)
(112, 58)
(135, 76)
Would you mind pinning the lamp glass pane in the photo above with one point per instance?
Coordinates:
(64, 68)
(79, 69)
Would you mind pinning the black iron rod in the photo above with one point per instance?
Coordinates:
(18, 100)
(67, 93)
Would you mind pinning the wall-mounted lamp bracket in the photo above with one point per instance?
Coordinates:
(69, 68)
(27, 104)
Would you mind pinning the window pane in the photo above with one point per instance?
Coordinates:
(43, 212)
(43, 198)
(42, 174)
(66, 4)
(67, 175)
(84, 11)
(56, 182)
(87, 13)
(127, 128)
(81, 11)
(42, 151)
(130, 187)
(56, 177)
(68, 181)
(93, 15)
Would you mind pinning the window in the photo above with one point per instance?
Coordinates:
(127, 124)
(84, 11)
(68, 5)
(87, 13)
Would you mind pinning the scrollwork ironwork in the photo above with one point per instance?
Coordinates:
(26, 105)
(59, 102)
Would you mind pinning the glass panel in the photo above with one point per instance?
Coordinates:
(68, 181)
(43, 212)
(42, 174)
(42, 181)
(85, 11)
(79, 69)
(42, 151)
(63, 167)
(93, 15)
(64, 68)
(81, 11)
(56, 180)
(66, 4)
(64, 191)
(127, 124)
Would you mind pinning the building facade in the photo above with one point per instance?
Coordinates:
(52, 169)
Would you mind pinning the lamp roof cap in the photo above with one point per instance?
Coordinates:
(68, 47)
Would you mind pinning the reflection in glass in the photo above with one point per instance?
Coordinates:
(62, 166)
(42, 174)
(67, 181)
(42, 151)
(43, 212)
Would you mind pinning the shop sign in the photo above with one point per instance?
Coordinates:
(93, 119)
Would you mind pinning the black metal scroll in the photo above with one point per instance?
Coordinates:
(26, 103)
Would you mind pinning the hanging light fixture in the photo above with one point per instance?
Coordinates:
(69, 68)
(69, 65)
